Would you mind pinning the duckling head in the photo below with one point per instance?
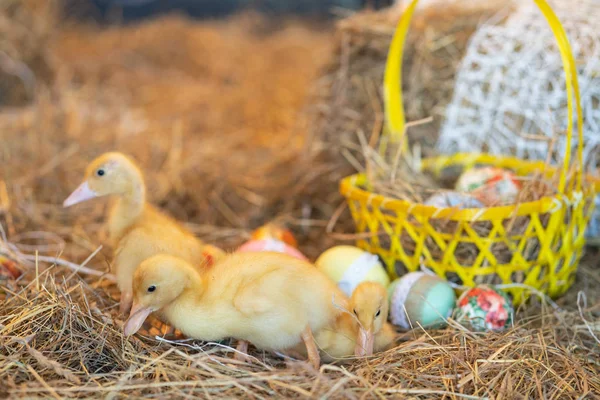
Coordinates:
(109, 174)
(157, 282)
(370, 305)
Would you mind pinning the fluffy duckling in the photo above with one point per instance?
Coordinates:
(369, 303)
(137, 229)
(362, 331)
(269, 299)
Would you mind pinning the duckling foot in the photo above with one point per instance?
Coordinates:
(241, 353)
(311, 347)
(126, 302)
(167, 330)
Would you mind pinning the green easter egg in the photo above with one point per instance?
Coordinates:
(439, 303)
(421, 299)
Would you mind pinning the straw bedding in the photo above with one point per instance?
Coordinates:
(225, 149)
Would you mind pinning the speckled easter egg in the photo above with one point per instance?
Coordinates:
(349, 266)
(421, 299)
(453, 199)
(484, 308)
(271, 245)
(276, 232)
(491, 185)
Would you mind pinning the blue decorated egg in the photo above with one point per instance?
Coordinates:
(419, 299)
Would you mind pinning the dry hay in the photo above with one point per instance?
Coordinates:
(186, 101)
(61, 341)
(26, 29)
(223, 148)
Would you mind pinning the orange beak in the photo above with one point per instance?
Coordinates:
(136, 319)
(364, 343)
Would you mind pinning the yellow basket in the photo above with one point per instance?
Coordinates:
(554, 226)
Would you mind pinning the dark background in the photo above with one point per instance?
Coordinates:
(131, 10)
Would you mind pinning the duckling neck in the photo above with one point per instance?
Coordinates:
(196, 318)
(127, 208)
(385, 338)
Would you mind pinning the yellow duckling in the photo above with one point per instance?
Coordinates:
(137, 229)
(269, 299)
(362, 330)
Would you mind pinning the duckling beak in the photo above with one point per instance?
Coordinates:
(136, 319)
(364, 343)
(82, 193)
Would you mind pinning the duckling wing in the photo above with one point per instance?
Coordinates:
(252, 298)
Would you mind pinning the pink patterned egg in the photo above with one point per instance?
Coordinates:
(484, 308)
(271, 245)
(490, 185)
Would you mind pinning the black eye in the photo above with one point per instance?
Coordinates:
(151, 288)
(100, 172)
(378, 313)
(355, 313)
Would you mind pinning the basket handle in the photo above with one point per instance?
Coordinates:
(394, 107)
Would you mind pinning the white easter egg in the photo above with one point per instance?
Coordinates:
(453, 199)
(349, 266)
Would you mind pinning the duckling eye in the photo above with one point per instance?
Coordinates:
(100, 172)
(355, 313)
(151, 288)
(378, 313)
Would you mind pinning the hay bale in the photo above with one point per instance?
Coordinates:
(221, 146)
(349, 92)
(26, 29)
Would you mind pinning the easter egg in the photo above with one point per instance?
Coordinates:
(421, 299)
(349, 266)
(276, 232)
(8, 269)
(271, 245)
(491, 185)
(484, 308)
(474, 178)
(453, 199)
(391, 288)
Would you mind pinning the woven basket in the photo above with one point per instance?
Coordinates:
(544, 254)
